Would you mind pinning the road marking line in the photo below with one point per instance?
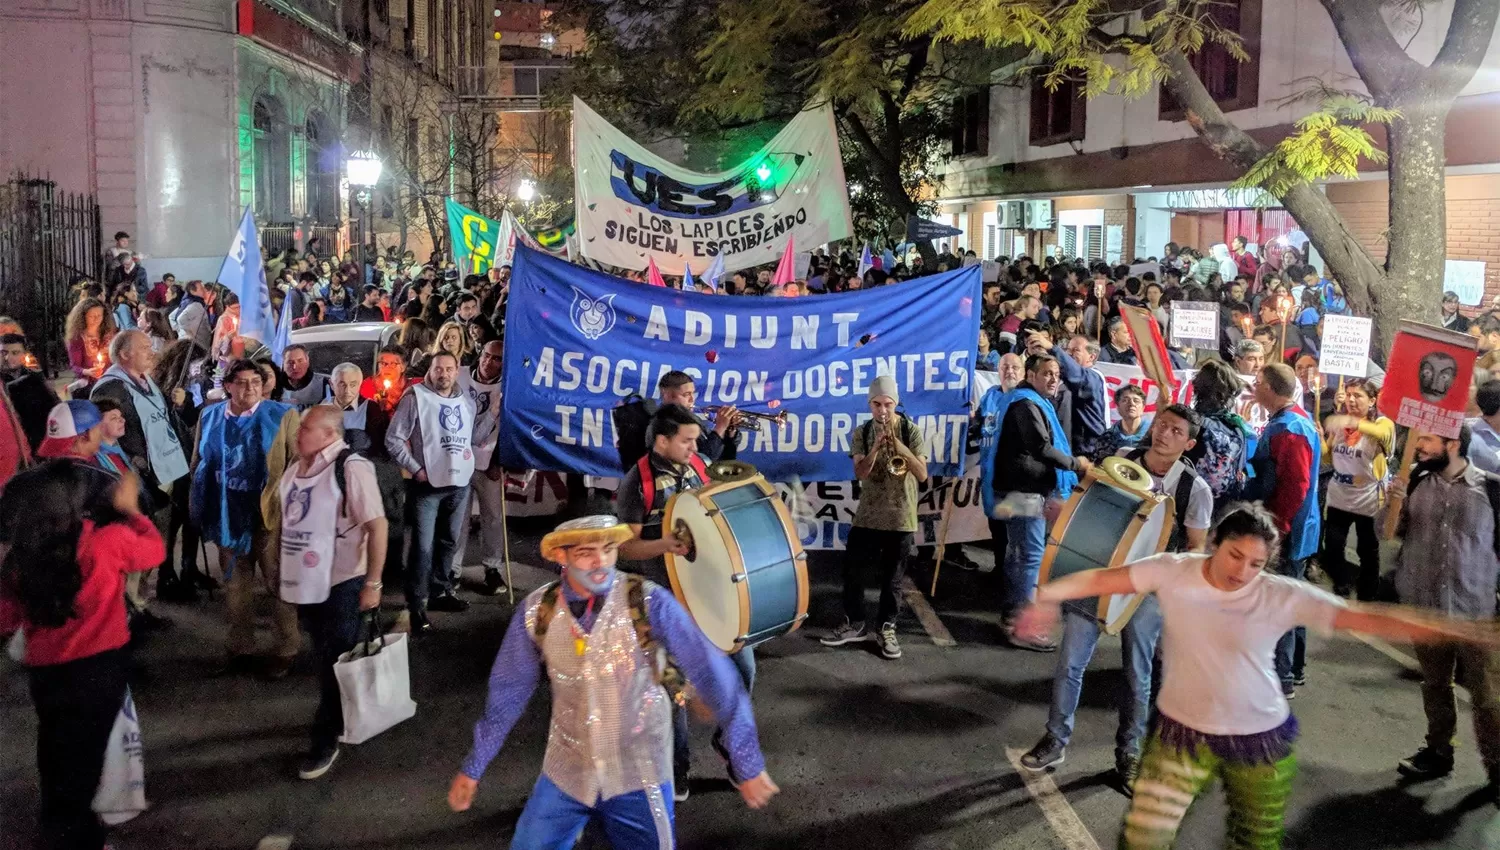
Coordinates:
(929, 618)
(1055, 807)
(1403, 659)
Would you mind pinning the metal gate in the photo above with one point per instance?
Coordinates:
(47, 238)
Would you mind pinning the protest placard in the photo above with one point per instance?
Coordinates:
(1345, 346)
(1195, 324)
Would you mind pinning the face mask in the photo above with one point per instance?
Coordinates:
(595, 581)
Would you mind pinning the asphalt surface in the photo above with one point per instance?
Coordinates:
(868, 753)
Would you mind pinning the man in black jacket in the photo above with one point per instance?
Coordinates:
(1033, 448)
(32, 398)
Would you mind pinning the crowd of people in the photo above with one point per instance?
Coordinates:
(179, 432)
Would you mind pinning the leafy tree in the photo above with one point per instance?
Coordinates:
(1128, 48)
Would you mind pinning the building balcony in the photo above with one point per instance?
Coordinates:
(509, 87)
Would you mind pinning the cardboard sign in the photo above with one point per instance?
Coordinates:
(1427, 381)
(1195, 324)
(801, 265)
(989, 271)
(1346, 346)
(1150, 350)
(1465, 278)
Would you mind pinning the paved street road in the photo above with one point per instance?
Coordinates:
(869, 754)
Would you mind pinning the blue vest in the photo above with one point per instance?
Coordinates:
(232, 472)
(1307, 525)
(992, 408)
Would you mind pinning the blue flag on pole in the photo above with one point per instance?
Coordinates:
(887, 261)
(866, 262)
(687, 278)
(283, 336)
(593, 340)
(244, 275)
(715, 271)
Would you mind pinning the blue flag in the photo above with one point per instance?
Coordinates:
(595, 340)
(887, 261)
(687, 278)
(283, 336)
(866, 262)
(715, 271)
(244, 275)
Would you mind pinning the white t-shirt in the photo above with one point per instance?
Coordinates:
(1200, 507)
(1218, 668)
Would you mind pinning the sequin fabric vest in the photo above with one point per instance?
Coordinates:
(611, 730)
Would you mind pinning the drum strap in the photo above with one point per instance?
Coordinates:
(648, 477)
(668, 675)
(1180, 498)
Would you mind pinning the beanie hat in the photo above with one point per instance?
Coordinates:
(885, 385)
(68, 421)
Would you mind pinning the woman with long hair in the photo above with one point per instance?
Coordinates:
(417, 338)
(125, 301)
(1359, 442)
(87, 333)
(1221, 713)
(311, 317)
(158, 329)
(62, 585)
(1225, 442)
(453, 338)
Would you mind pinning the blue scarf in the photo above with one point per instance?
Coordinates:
(232, 471)
(992, 409)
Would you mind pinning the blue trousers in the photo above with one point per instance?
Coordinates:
(682, 757)
(333, 625)
(1026, 542)
(1291, 650)
(1138, 648)
(554, 821)
(436, 516)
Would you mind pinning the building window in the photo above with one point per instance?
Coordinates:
(1232, 84)
(273, 161)
(1057, 115)
(410, 154)
(971, 124)
(321, 171)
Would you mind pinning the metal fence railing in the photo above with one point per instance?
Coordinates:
(47, 238)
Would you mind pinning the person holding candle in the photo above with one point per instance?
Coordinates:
(388, 384)
(88, 332)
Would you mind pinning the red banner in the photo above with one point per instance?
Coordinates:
(1427, 380)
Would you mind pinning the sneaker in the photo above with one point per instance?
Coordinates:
(1289, 689)
(889, 646)
(448, 604)
(847, 633)
(1128, 768)
(1300, 680)
(314, 765)
(1427, 763)
(418, 624)
(1031, 644)
(1048, 752)
(680, 791)
(494, 583)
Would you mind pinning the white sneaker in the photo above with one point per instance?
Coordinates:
(889, 647)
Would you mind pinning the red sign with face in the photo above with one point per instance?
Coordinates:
(1427, 380)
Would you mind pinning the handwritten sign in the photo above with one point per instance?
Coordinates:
(1195, 324)
(1465, 278)
(1346, 346)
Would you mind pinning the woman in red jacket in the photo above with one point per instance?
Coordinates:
(62, 584)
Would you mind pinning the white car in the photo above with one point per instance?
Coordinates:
(350, 342)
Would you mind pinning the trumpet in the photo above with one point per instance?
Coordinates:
(895, 464)
(754, 420)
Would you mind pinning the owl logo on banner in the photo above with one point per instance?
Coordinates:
(297, 503)
(451, 417)
(593, 317)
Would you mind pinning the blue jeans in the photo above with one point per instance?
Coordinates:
(1026, 541)
(436, 516)
(1291, 650)
(1137, 651)
(682, 756)
(333, 626)
(553, 821)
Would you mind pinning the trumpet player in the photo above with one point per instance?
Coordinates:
(717, 441)
(890, 460)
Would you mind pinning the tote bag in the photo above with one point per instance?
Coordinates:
(122, 784)
(374, 685)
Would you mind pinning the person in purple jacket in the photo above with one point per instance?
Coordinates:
(609, 745)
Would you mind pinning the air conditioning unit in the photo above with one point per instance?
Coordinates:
(1011, 214)
(1038, 215)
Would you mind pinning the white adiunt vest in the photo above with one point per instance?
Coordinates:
(447, 436)
(486, 399)
(309, 533)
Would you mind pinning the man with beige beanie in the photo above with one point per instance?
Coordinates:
(886, 518)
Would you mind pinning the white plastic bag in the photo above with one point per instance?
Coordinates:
(374, 685)
(122, 783)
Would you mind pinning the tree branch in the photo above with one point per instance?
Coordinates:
(1223, 136)
(1377, 56)
(862, 135)
(914, 68)
(1469, 34)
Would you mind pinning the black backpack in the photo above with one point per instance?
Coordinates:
(1180, 498)
(632, 418)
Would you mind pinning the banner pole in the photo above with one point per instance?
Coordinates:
(942, 547)
(1398, 492)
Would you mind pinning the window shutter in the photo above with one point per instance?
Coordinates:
(1093, 241)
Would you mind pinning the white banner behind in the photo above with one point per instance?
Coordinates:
(632, 205)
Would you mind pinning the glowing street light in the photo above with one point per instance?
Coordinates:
(526, 191)
(364, 169)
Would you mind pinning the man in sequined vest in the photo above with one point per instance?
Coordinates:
(609, 745)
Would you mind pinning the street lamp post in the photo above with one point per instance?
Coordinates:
(364, 169)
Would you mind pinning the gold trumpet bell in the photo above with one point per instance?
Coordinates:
(731, 470)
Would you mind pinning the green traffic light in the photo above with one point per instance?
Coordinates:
(763, 172)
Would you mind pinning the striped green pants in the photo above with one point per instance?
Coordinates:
(1171, 779)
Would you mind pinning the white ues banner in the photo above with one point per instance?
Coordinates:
(633, 206)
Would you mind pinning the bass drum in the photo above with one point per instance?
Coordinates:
(744, 578)
(1110, 520)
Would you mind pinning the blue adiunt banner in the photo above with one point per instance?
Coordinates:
(578, 341)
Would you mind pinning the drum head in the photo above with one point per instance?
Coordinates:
(705, 583)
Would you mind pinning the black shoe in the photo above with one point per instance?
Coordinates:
(235, 665)
(1128, 768)
(1300, 680)
(1427, 763)
(1288, 689)
(314, 765)
(420, 625)
(1048, 752)
(177, 591)
(494, 583)
(447, 603)
(144, 620)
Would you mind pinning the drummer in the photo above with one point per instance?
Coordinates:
(1174, 431)
(672, 466)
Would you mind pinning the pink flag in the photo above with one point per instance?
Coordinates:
(785, 269)
(653, 274)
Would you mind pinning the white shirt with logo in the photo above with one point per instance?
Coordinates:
(447, 427)
(486, 399)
